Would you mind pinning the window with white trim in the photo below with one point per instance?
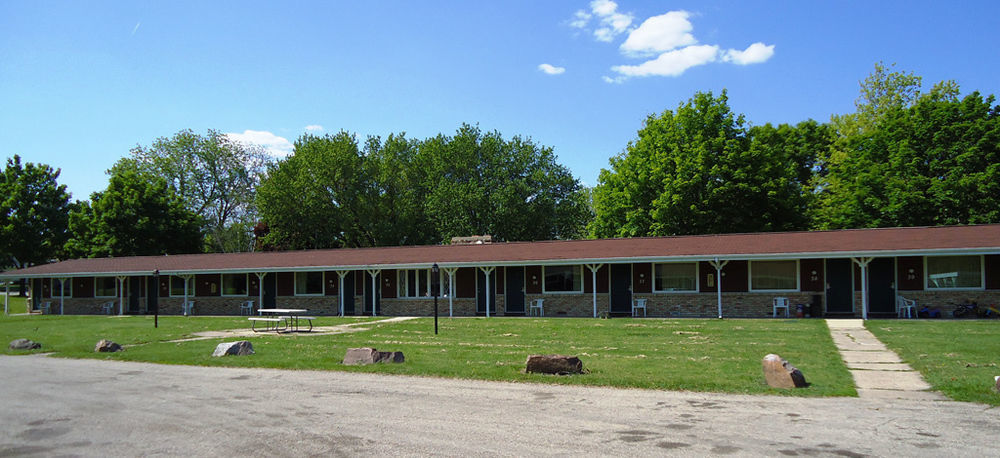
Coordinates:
(413, 283)
(308, 283)
(57, 288)
(234, 284)
(177, 286)
(774, 275)
(954, 272)
(675, 276)
(105, 287)
(563, 279)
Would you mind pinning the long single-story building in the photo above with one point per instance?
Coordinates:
(846, 273)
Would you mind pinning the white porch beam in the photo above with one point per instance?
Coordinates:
(488, 271)
(451, 289)
(260, 291)
(593, 282)
(6, 297)
(62, 294)
(718, 280)
(121, 294)
(863, 263)
(374, 273)
(340, 289)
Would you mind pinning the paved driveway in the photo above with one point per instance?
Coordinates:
(53, 406)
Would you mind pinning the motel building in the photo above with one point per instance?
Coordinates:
(860, 273)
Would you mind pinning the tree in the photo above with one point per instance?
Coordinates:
(136, 215)
(34, 213)
(700, 170)
(215, 176)
(480, 183)
(934, 161)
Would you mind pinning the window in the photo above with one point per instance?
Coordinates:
(563, 279)
(177, 286)
(234, 284)
(308, 283)
(774, 275)
(946, 272)
(57, 288)
(417, 283)
(105, 287)
(679, 276)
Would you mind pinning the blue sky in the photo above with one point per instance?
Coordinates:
(82, 82)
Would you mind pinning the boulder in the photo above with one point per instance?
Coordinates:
(780, 374)
(365, 355)
(554, 364)
(105, 346)
(24, 344)
(239, 348)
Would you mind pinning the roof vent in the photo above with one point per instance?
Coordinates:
(472, 240)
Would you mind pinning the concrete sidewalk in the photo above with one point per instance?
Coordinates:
(878, 372)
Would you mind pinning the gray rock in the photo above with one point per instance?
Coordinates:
(365, 355)
(24, 344)
(781, 374)
(239, 348)
(106, 346)
(554, 364)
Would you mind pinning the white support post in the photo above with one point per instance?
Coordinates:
(451, 289)
(863, 263)
(62, 294)
(487, 271)
(6, 297)
(593, 282)
(121, 295)
(184, 305)
(374, 274)
(260, 295)
(340, 289)
(718, 280)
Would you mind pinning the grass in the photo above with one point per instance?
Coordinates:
(16, 304)
(695, 355)
(957, 357)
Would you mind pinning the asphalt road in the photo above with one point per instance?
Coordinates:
(54, 406)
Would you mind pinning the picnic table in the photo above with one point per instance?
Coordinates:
(280, 320)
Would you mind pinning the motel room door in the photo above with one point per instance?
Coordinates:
(882, 288)
(348, 293)
(514, 293)
(369, 295)
(621, 289)
(839, 287)
(481, 292)
(135, 290)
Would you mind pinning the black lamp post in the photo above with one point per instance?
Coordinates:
(436, 291)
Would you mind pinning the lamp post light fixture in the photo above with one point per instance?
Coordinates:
(435, 291)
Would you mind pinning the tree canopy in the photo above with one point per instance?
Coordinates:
(34, 213)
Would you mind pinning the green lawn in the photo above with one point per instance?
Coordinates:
(15, 304)
(957, 357)
(696, 355)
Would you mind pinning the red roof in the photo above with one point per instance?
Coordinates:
(842, 243)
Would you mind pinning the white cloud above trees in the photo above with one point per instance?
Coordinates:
(276, 146)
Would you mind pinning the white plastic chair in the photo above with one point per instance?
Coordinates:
(639, 304)
(246, 308)
(45, 308)
(107, 307)
(906, 308)
(188, 308)
(780, 303)
(537, 306)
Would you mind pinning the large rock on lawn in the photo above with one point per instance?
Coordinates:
(780, 374)
(365, 355)
(24, 344)
(554, 364)
(107, 346)
(239, 348)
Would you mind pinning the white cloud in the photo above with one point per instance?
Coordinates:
(671, 63)
(314, 128)
(275, 145)
(580, 19)
(610, 23)
(551, 70)
(754, 54)
(660, 34)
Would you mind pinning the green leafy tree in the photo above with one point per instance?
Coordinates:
(34, 213)
(481, 183)
(701, 170)
(136, 215)
(215, 176)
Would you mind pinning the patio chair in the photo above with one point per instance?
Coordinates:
(45, 308)
(780, 303)
(639, 304)
(246, 308)
(187, 308)
(537, 307)
(107, 307)
(906, 308)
